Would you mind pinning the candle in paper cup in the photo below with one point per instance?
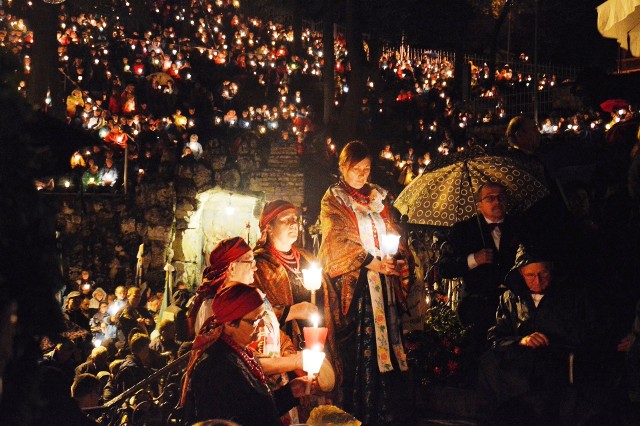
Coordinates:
(312, 360)
(389, 244)
(312, 280)
(312, 277)
(315, 336)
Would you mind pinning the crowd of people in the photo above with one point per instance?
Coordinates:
(208, 72)
(538, 329)
(205, 71)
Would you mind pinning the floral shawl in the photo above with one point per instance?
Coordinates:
(347, 230)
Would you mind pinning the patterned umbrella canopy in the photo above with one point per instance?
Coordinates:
(445, 196)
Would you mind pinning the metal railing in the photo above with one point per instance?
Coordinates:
(138, 405)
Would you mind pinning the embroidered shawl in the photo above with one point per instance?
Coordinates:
(347, 230)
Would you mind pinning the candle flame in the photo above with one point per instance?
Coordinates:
(315, 319)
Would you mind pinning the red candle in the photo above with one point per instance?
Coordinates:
(315, 336)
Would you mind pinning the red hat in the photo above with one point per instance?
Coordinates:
(222, 255)
(231, 304)
(271, 210)
(235, 302)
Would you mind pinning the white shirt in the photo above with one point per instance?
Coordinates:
(496, 233)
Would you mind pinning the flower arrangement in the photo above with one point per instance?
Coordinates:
(435, 352)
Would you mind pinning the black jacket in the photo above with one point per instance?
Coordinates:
(464, 239)
(559, 316)
(222, 387)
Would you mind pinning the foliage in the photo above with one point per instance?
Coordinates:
(436, 352)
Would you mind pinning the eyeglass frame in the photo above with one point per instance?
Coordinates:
(491, 198)
(256, 322)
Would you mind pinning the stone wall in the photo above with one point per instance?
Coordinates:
(283, 177)
(178, 217)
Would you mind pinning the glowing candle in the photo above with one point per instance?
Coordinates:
(315, 336)
(389, 244)
(312, 280)
(311, 362)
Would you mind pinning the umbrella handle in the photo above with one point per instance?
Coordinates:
(468, 173)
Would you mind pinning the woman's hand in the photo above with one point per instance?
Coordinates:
(299, 386)
(302, 311)
(386, 266)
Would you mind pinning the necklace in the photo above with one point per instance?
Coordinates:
(356, 195)
(251, 363)
(291, 261)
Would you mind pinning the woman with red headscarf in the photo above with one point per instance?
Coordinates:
(224, 380)
(232, 263)
(231, 260)
(279, 268)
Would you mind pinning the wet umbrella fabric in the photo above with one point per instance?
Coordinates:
(445, 196)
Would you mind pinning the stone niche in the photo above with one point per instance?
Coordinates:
(218, 214)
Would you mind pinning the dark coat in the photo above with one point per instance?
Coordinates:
(510, 370)
(131, 372)
(464, 239)
(559, 316)
(222, 387)
(91, 368)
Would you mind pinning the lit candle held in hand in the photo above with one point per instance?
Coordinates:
(315, 336)
(311, 362)
(389, 244)
(312, 280)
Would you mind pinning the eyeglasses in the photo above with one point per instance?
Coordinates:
(251, 262)
(256, 322)
(540, 275)
(492, 198)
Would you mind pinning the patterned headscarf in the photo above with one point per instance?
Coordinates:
(222, 255)
(270, 211)
(232, 303)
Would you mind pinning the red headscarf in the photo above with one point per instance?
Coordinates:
(232, 303)
(222, 255)
(270, 211)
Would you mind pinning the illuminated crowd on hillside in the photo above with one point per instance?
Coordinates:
(204, 71)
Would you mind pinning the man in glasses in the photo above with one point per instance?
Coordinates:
(481, 250)
(539, 323)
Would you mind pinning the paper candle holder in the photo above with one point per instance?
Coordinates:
(312, 278)
(389, 244)
(312, 360)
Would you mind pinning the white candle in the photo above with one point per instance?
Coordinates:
(312, 360)
(312, 280)
(389, 244)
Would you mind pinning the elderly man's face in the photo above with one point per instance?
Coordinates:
(537, 276)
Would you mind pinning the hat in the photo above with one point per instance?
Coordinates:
(271, 210)
(73, 294)
(235, 302)
(526, 255)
